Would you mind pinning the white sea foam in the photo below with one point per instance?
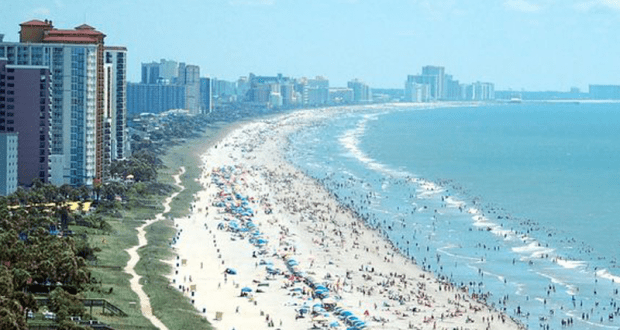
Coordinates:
(604, 273)
(572, 290)
(533, 249)
(554, 280)
(350, 140)
(453, 202)
(569, 264)
(445, 249)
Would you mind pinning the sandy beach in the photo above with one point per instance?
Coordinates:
(268, 247)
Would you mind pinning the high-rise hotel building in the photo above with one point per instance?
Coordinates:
(25, 99)
(88, 96)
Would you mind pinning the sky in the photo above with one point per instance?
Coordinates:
(515, 44)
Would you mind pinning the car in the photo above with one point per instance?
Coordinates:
(30, 314)
(49, 316)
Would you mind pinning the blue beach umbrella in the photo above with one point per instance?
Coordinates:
(359, 324)
(246, 289)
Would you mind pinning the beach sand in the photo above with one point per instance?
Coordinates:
(295, 238)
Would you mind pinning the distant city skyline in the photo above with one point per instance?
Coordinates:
(516, 44)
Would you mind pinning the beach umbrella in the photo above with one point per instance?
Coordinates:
(329, 301)
(231, 271)
(321, 287)
(317, 305)
(346, 313)
(246, 289)
(351, 319)
(334, 324)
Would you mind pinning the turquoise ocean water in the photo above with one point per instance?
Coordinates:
(517, 201)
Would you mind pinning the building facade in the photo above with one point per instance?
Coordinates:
(415, 92)
(160, 83)
(116, 142)
(361, 91)
(8, 163)
(316, 91)
(25, 100)
(75, 59)
(206, 95)
(154, 98)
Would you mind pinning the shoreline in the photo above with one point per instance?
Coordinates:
(365, 270)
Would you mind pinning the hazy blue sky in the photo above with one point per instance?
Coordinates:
(518, 44)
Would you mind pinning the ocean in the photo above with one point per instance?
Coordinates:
(517, 202)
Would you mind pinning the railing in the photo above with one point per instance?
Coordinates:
(103, 303)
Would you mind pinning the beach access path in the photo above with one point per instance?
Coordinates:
(261, 269)
(134, 257)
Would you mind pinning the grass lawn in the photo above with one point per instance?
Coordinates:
(169, 305)
(108, 271)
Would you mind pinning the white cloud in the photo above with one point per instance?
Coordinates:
(522, 6)
(613, 4)
(41, 11)
(585, 6)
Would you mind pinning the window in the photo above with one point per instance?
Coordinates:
(10, 70)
